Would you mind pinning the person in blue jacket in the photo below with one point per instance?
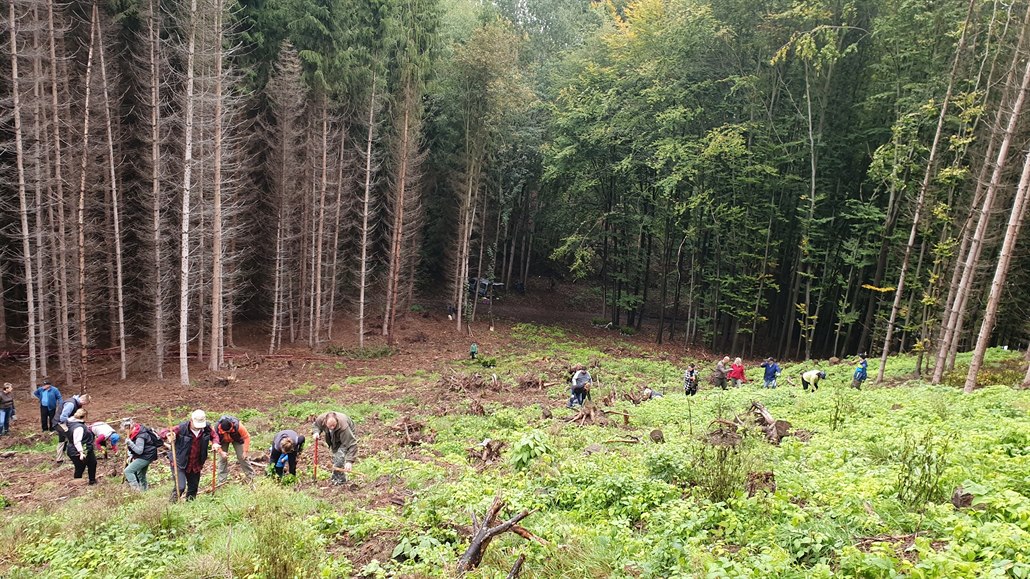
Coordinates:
(49, 401)
(772, 371)
(861, 372)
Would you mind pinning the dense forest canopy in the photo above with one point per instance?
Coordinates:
(793, 177)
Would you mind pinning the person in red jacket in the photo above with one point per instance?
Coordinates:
(736, 373)
(230, 431)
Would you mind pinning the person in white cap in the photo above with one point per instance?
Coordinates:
(191, 440)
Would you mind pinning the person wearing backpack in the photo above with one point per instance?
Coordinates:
(80, 446)
(71, 406)
(143, 444)
(190, 442)
(861, 372)
(286, 445)
(230, 431)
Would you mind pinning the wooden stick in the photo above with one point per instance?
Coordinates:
(316, 462)
(214, 472)
(516, 569)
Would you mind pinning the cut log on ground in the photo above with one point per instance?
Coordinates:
(484, 531)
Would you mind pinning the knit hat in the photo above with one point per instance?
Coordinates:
(114, 439)
(198, 419)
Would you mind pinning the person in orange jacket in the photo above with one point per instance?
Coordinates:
(230, 431)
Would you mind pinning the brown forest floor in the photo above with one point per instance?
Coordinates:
(427, 342)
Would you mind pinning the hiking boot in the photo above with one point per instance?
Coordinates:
(338, 479)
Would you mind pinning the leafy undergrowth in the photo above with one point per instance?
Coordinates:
(862, 488)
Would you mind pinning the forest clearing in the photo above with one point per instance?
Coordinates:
(438, 274)
(905, 478)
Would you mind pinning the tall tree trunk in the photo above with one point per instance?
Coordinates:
(921, 197)
(479, 266)
(1019, 204)
(955, 317)
(217, 353)
(153, 46)
(317, 337)
(336, 236)
(366, 203)
(23, 206)
(115, 210)
(81, 220)
(187, 190)
(38, 118)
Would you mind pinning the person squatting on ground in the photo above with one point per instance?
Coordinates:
(861, 372)
(190, 441)
(69, 409)
(49, 401)
(283, 455)
(737, 373)
(580, 386)
(231, 431)
(80, 446)
(143, 444)
(772, 372)
(338, 431)
(721, 369)
(811, 379)
(6, 408)
(105, 436)
(650, 393)
(690, 380)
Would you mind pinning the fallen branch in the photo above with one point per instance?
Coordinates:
(630, 440)
(484, 532)
(516, 569)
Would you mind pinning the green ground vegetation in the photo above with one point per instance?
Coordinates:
(864, 489)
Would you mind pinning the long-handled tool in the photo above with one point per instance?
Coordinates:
(316, 461)
(175, 462)
(214, 473)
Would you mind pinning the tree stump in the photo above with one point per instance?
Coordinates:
(484, 531)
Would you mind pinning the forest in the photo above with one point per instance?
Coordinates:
(798, 178)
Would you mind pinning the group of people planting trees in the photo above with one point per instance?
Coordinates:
(726, 374)
(186, 444)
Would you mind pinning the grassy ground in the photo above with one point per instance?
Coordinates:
(864, 489)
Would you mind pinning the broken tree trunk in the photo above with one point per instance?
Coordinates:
(485, 531)
(516, 569)
(775, 430)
